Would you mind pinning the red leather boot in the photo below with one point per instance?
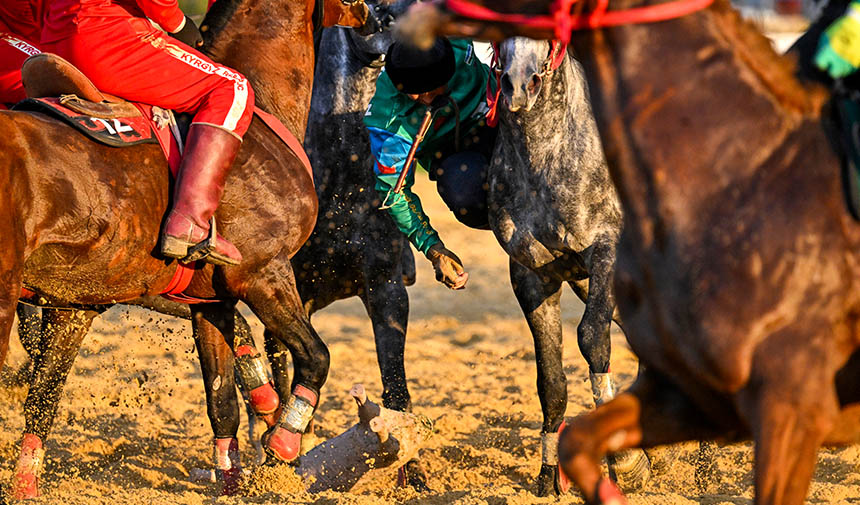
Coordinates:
(209, 154)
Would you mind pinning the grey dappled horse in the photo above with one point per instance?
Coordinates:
(356, 249)
(554, 210)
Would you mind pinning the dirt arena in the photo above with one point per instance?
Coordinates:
(132, 421)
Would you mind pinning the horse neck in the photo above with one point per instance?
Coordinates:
(343, 84)
(689, 108)
(343, 88)
(271, 44)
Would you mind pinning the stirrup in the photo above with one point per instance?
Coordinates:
(204, 248)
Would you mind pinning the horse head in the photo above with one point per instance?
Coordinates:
(524, 66)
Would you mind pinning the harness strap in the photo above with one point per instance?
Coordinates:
(563, 22)
(287, 136)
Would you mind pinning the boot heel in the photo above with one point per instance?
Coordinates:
(173, 247)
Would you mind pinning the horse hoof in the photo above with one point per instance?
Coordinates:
(411, 474)
(548, 483)
(663, 458)
(630, 468)
(231, 480)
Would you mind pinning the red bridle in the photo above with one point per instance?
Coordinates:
(562, 21)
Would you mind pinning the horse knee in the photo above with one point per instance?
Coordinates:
(594, 344)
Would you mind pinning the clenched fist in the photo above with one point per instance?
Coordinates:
(449, 268)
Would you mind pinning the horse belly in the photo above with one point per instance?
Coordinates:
(98, 261)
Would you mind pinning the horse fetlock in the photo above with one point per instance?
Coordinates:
(254, 379)
(547, 481)
(630, 468)
(25, 483)
(602, 387)
(228, 465)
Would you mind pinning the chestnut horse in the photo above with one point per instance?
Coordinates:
(738, 260)
(81, 220)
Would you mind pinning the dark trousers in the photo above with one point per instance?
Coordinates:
(461, 178)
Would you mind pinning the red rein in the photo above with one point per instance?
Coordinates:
(562, 21)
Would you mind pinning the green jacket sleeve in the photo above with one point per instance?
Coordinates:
(405, 209)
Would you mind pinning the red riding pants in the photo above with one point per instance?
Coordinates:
(129, 58)
(13, 51)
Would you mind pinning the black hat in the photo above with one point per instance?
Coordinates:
(414, 71)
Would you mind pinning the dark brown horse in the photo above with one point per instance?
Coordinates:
(738, 263)
(81, 220)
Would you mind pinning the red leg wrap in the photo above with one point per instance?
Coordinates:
(25, 482)
(609, 494)
(228, 465)
(284, 440)
(563, 481)
(261, 393)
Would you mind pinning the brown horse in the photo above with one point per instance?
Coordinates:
(738, 263)
(81, 220)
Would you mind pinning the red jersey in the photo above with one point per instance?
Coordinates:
(22, 18)
(66, 17)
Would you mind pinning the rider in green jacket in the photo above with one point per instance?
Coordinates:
(450, 80)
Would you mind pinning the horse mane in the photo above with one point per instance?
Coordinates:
(775, 72)
(217, 18)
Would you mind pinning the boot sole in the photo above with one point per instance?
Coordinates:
(173, 247)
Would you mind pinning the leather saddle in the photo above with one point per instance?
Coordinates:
(48, 75)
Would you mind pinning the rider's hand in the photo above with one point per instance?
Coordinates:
(189, 34)
(449, 268)
(839, 47)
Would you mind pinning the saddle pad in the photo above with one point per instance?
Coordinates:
(114, 132)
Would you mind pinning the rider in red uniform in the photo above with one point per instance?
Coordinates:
(20, 29)
(122, 52)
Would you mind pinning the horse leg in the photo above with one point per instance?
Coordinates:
(387, 305)
(10, 290)
(653, 412)
(273, 297)
(242, 331)
(63, 331)
(790, 414)
(29, 328)
(539, 300)
(30, 335)
(213, 326)
(630, 469)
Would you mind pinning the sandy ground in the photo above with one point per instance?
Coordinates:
(132, 420)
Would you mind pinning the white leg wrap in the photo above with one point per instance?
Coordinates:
(549, 448)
